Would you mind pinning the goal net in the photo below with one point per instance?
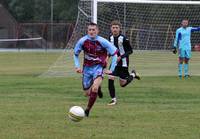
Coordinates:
(149, 24)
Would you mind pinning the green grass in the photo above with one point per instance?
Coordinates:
(31, 107)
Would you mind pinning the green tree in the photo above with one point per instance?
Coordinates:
(65, 9)
(40, 10)
(21, 9)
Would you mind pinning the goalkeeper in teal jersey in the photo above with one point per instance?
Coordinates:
(182, 42)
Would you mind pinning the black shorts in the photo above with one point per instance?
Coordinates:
(121, 72)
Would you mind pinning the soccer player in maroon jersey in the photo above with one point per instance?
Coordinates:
(95, 50)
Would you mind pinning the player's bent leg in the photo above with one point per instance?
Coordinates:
(96, 84)
(129, 78)
(122, 82)
(93, 94)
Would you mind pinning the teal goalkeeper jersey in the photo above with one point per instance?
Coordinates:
(183, 37)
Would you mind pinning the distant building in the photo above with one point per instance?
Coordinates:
(8, 26)
(39, 34)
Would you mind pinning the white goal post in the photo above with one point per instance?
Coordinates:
(95, 3)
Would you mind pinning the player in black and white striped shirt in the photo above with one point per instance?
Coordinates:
(121, 70)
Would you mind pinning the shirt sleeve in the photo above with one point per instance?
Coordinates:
(177, 38)
(128, 48)
(76, 61)
(111, 49)
(113, 62)
(79, 46)
(77, 49)
(193, 29)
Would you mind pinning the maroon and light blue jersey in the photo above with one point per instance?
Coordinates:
(95, 50)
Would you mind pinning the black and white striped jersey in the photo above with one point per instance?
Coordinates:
(124, 49)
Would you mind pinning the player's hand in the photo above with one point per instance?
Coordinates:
(78, 70)
(107, 71)
(118, 58)
(174, 50)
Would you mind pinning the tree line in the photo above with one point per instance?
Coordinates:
(40, 10)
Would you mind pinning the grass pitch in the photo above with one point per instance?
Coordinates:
(157, 107)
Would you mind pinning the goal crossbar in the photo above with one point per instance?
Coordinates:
(95, 3)
(151, 2)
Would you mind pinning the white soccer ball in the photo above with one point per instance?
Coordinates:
(76, 113)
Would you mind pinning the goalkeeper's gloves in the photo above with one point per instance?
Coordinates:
(174, 50)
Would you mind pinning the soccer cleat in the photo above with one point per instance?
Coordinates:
(87, 113)
(112, 102)
(180, 77)
(187, 76)
(137, 76)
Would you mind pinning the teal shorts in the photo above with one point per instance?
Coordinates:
(184, 53)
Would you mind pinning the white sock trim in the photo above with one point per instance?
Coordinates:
(114, 99)
(133, 74)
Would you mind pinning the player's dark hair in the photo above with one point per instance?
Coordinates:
(92, 24)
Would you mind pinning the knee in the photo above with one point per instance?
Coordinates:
(86, 93)
(111, 77)
(95, 89)
(181, 61)
(186, 61)
(121, 84)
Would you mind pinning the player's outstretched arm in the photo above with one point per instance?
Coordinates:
(195, 29)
